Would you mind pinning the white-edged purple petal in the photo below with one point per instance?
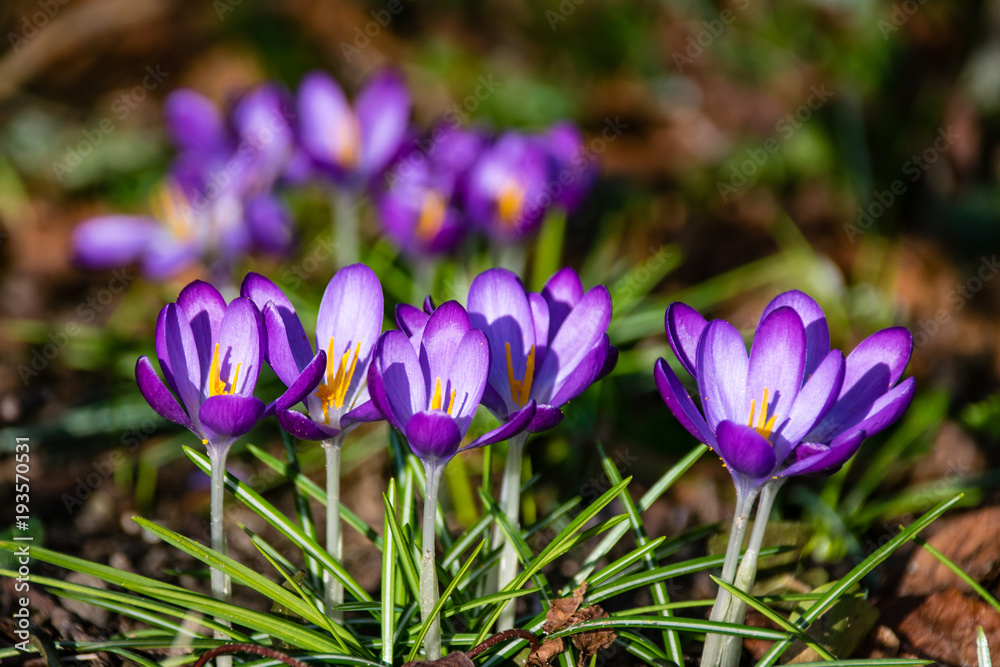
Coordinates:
(680, 403)
(722, 373)
(579, 333)
(744, 450)
(777, 360)
(157, 394)
(684, 325)
(395, 381)
(433, 436)
(814, 321)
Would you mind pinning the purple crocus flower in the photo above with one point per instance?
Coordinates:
(421, 207)
(429, 386)
(349, 324)
(507, 194)
(215, 205)
(353, 145)
(791, 407)
(572, 173)
(547, 348)
(210, 354)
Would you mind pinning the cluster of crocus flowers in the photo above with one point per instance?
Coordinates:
(791, 407)
(216, 203)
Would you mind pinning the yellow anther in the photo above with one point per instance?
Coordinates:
(432, 212)
(334, 391)
(437, 400)
(350, 138)
(171, 208)
(510, 203)
(764, 425)
(216, 385)
(520, 390)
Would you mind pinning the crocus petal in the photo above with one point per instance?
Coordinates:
(817, 458)
(326, 120)
(745, 450)
(777, 359)
(814, 400)
(585, 374)
(562, 292)
(383, 111)
(684, 325)
(433, 435)
(540, 318)
(610, 361)
(241, 342)
(303, 428)
(350, 314)
(112, 241)
(270, 224)
(366, 412)
(888, 408)
(579, 333)
(204, 309)
(395, 380)
(157, 394)
(467, 375)
(888, 349)
(814, 321)
(495, 403)
(680, 403)
(194, 122)
(546, 417)
(178, 353)
(518, 422)
(410, 319)
(260, 290)
(303, 385)
(165, 257)
(444, 333)
(498, 306)
(228, 416)
(722, 372)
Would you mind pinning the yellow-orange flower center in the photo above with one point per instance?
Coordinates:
(432, 211)
(171, 208)
(764, 425)
(348, 148)
(520, 390)
(437, 400)
(217, 385)
(510, 203)
(338, 379)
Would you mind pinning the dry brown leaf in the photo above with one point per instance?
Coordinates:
(543, 656)
(562, 611)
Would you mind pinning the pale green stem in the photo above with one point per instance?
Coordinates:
(345, 227)
(428, 567)
(732, 647)
(220, 580)
(744, 503)
(510, 502)
(423, 279)
(333, 589)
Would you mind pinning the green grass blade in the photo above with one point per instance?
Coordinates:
(776, 618)
(856, 575)
(404, 549)
(625, 561)
(983, 648)
(302, 508)
(959, 572)
(269, 513)
(675, 623)
(436, 611)
(388, 629)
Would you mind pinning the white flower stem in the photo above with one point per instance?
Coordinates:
(333, 589)
(510, 502)
(732, 647)
(345, 227)
(428, 571)
(712, 652)
(220, 580)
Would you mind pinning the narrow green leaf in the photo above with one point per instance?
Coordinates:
(675, 623)
(951, 565)
(404, 551)
(389, 560)
(625, 561)
(983, 648)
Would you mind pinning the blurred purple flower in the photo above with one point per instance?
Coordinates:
(354, 145)
(558, 337)
(572, 173)
(216, 203)
(350, 320)
(429, 385)
(793, 406)
(210, 354)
